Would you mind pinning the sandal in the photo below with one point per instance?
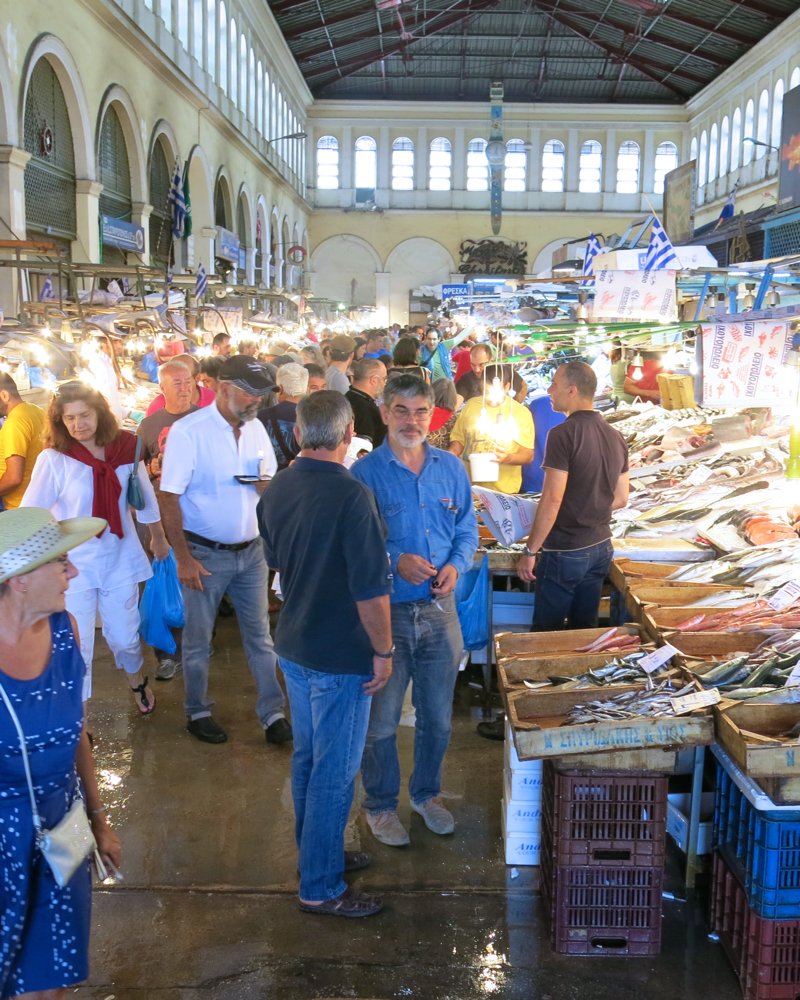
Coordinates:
(143, 703)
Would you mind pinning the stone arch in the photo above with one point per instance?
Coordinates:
(200, 189)
(137, 162)
(414, 262)
(249, 213)
(66, 69)
(544, 259)
(339, 260)
(224, 184)
(164, 133)
(262, 243)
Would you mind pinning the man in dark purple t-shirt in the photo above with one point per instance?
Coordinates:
(586, 478)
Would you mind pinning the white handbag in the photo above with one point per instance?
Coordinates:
(67, 845)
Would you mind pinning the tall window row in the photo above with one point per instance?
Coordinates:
(749, 134)
(440, 166)
(208, 30)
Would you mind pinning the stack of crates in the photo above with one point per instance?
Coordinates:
(521, 806)
(755, 902)
(603, 844)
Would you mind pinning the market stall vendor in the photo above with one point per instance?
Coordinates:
(645, 387)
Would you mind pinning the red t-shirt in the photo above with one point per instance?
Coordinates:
(207, 397)
(649, 379)
(462, 362)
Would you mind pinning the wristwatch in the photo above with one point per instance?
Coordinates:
(384, 656)
(528, 552)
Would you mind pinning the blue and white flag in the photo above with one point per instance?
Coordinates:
(660, 253)
(728, 209)
(201, 285)
(593, 248)
(47, 290)
(177, 203)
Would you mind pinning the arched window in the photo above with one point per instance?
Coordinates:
(795, 78)
(234, 76)
(713, 142)
(327, 162)
(266, 106)
(553, 165)
(736, 139)
(702, 160)
(693, 150)
(590, 176)
(197, 31)
(440, 165)
(260, 98)
(251, 86)
(223, 49)
(628, 168)
(211, 37)
(724, 136)
(477, 166)
(747, 151)
(183, 22)
(777, 115)
(366, 169)
(50, 172)
(515, 165)
(221, 206)
(160, 222)
(113, 168)
(666, 160)
(243, 232)
(402, 165)
(243, 74)
(273, 127)
(762, 128)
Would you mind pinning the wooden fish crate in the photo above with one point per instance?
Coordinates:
(716, 645)
(783, 791)
(665, 593)
(749, 733)
(538, 730)
(662, 620)
(655, 760)
(566, 641)
(623, 570)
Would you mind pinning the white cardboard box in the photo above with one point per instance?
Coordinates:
(525, 786)
(521, 849)
(521, 816)
(689, 258)
(678, 821)
(512, 761)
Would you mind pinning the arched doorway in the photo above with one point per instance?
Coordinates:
(243, 232)
(50, 212)
(113, 172)
(161, 246)
(222, 218)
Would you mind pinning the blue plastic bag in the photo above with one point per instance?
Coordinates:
(472, 602)
(161, 607)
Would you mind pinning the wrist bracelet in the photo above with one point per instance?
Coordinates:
(529, 553)
(100, 811)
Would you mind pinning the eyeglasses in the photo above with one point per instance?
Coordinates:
(402, 413)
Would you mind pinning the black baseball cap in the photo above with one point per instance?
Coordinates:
(248, 374)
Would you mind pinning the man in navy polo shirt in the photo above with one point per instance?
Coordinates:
(425, 498)
(375, 346)
(322, 531)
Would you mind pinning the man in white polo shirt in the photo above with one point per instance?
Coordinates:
(210, 520)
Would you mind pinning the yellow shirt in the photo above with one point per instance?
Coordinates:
(21, 434)
(522, 436)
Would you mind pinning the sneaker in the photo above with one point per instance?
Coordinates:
(387, 828)
(207, 730)
(492, 730)
(351, 903)
(279, 732)
(167, 669)
(437, 818)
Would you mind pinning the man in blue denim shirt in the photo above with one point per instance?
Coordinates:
(425, 498)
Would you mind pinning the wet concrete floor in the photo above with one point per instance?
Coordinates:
(208, 908)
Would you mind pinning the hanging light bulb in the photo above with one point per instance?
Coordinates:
(483, 425)
(46, 331)
(749, 299)
(496, 393)
(637, 372)
(774, 298)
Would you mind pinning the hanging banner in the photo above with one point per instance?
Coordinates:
(635, 295)
(224, 319)
(744, 363)
(789, 176)
(118, 233)
(227, 245)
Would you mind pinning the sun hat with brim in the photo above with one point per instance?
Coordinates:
(31, 536)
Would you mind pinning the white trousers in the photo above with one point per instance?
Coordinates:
(119, 613)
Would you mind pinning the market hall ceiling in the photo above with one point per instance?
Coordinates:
(620, 51)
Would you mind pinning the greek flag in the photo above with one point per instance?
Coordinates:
(47, 290)
(728, 209)
(201, 285)
(177, 203)
(592, 250)
(660, 253)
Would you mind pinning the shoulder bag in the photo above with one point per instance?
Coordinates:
(135, 494)
(68, 844)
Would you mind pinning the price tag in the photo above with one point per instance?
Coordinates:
(699, 476)
(657, 658)
(787, 595)
(700, 699)
(793, 680)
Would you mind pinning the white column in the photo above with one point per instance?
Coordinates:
(204, 248)
(384, 158)
(12, 209)
(572, 160)
(140, 216)
(610, 153)
(87, 207)
(649, 164)
(346, 158)
(421, 154)
(460, 161)
(535, 160)
(382, 294)
(250, 265)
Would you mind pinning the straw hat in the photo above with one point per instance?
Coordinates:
(31, 536)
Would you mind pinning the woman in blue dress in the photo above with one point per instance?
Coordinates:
(44, 929)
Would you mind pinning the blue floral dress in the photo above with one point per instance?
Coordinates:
(44, 930)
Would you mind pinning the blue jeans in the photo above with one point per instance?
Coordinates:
(330, 713)
(428, 647)
(244, 576)
(569, 585)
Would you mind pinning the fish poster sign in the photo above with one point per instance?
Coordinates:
(635, 295)
(744, 364)
(789, 178)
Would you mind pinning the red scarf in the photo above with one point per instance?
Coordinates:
(107, 488)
